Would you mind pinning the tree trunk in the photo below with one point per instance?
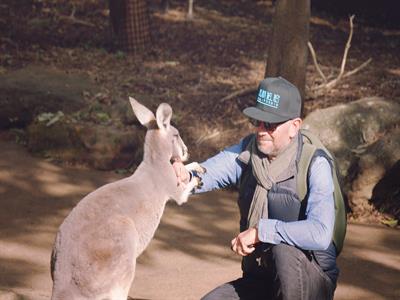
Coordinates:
(287, 53)
(164, 6)
(130, 24)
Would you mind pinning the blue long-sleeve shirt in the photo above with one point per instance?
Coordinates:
(313, 233)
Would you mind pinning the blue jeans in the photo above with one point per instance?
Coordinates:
(291, 275)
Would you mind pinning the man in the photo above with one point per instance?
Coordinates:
(286, 244)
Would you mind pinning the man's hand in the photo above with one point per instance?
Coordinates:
(244, 243)
(181, 173)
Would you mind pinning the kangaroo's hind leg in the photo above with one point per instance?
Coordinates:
(119, 268)
(104, 263)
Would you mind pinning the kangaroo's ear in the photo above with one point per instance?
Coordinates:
(142, 113)
(164, 114)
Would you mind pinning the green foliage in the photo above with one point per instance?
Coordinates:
(120, 55)
(81, 115)
(390, 222)
(96, 107)
(122, 171)
(103, 117)
(20, 136)
(50, 118)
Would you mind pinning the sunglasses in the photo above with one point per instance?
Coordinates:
(266, 125)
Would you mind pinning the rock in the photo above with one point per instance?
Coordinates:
(30, 91)
(110, 148)
(347, 129)
(378, 180)
(103, 147)
(365, 137)
(386, 193)
(347, 126)
(59, 140)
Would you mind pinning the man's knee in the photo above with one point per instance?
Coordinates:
(295, 276)
(225, 291)
(287, 256)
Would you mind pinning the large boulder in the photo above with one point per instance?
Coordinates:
(376, 187)
(103, 147)
(348, 126)
(364, 137)
(347, 129)
(96, 136)
(27, 92)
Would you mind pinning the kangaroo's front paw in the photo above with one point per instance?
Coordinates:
(199, 182)
(194, 166)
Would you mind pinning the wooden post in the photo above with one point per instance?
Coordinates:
(130, 24)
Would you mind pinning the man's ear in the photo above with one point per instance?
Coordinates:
(295, 126)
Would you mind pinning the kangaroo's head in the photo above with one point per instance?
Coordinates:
(162, 139)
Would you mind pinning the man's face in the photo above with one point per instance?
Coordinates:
(275, 137)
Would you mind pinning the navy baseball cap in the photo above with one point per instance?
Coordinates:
(277, 101)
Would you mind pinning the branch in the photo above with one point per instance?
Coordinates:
(362, 66)
(72, 15)
(242, 92)
(346, 50)
(328, 85)
(314, 57)
(74, 20)
(333, 82)
(71, 18)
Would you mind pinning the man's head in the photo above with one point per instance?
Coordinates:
(276, 115)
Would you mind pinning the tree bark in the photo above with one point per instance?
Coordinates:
(287, 53)
(130, 24)
(165, 6)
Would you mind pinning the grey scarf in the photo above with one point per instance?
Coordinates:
(266, 174)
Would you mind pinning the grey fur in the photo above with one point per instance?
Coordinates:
(96, 247)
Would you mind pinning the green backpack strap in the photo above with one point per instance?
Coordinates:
(311, 144)
(339, 231)
(307, 154)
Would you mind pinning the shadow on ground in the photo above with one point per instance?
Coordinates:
(189, 254)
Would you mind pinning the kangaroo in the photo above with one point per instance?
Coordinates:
(96, 247)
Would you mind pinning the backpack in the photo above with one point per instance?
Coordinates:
(311, 146)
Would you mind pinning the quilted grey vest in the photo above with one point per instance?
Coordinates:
(284, 205)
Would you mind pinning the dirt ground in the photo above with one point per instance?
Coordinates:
(192, 66)
(189, 254)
